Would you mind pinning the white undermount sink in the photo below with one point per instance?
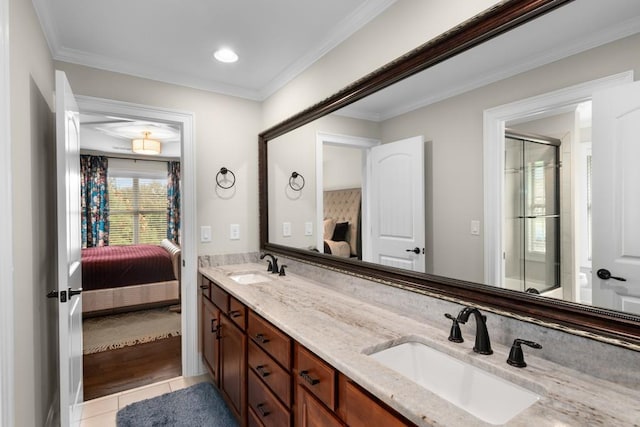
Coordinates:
(486, 396)
(249, 278)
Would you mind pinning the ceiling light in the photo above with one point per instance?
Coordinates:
(145, 145)
(225, 55)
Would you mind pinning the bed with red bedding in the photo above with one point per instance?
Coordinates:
(117, 277)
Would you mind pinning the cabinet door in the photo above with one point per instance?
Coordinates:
(311, 413)
(209, 336)
(357, 409)
(233, 366)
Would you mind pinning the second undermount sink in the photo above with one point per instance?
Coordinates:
(484, 395)
(249, 278)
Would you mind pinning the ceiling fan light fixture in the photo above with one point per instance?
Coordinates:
(225, 55)
(145, 145)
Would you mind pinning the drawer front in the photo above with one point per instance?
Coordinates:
(272, 374)
(269, 410)
(270, 339)
(205, 287)
(317, 376)
(254, 420)
(237, 313)
(311, 413)
(359, 410)
(220, 298)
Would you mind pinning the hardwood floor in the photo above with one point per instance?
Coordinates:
(113, 371)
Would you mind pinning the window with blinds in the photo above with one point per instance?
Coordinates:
(137, 210)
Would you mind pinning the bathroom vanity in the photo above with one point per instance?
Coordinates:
(293, 351)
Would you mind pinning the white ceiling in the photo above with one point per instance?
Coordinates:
(174, 40)
(576, 27)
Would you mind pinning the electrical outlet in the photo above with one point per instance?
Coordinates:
(205, 233)
(234, 232)
(286, 229)
(308, 229)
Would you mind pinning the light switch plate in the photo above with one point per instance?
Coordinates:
(308, 229)
(234, 232)
(205, 233)
(475, 227)
(286, 229)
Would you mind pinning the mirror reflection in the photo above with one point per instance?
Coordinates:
(511, 165)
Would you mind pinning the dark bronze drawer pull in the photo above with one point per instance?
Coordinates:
(263, 412)
(261, 339)
(262, 371)
(305, 376)
(204, 286)
(235, 313)
(213, 327)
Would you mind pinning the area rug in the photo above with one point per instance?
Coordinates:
(126, 329)
(197, 406)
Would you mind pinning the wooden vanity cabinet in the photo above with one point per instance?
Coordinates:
(209, 336)
(233, 366)
(269, 380)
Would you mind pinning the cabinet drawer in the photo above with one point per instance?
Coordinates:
(270, 339)
(316, 375)
(268, 409)
(220, 298)
(205, 287)
(272, 374)
(237, 313)
(311, 413)
(254, 420)
(357, 409)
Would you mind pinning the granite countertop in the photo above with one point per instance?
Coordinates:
(342, 331)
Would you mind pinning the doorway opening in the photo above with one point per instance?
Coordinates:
(137, 364)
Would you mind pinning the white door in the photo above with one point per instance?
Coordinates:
(397, 204)
(69, 244)
(616, 198)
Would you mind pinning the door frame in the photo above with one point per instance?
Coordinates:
(493, 158)
(364, 144)
(7, 400)
(191, 364)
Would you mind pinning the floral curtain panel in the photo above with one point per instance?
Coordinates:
(173, 202)
(94, 201)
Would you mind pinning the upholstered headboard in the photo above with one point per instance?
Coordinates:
(344, 205)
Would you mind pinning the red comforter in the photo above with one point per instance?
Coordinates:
(118, 266)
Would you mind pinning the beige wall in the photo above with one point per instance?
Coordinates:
(34, 226)
(226, 132)
(455, 127)
(401, 28)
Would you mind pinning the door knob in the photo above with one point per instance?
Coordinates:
(605, 274)
(52, 294)
(415, 250)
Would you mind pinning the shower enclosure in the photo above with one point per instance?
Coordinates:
(532, 212)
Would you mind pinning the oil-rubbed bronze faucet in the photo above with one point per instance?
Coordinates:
(483, 343)
(273, 264)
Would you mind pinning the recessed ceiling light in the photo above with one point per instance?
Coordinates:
(225, 55)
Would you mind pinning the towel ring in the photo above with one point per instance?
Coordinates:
(223, 172)
(292, 181)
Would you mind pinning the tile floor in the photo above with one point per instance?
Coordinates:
(101, 412)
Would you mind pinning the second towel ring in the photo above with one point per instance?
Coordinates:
(223, 172)
(292, 181)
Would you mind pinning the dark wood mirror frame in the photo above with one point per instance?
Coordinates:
(611, 326)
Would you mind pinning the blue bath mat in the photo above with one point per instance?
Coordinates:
(197, 406)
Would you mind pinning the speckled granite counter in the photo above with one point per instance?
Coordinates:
(343, 330)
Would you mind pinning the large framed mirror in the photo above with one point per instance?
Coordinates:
(494, 164)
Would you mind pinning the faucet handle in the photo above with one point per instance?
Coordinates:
(455, 335)
(269, 266)
(282, 273)
(516, 356)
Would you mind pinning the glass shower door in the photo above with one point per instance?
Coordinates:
(532, 217)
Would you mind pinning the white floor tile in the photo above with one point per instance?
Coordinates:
(148, 392)
(99, 406)
(105, 420)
